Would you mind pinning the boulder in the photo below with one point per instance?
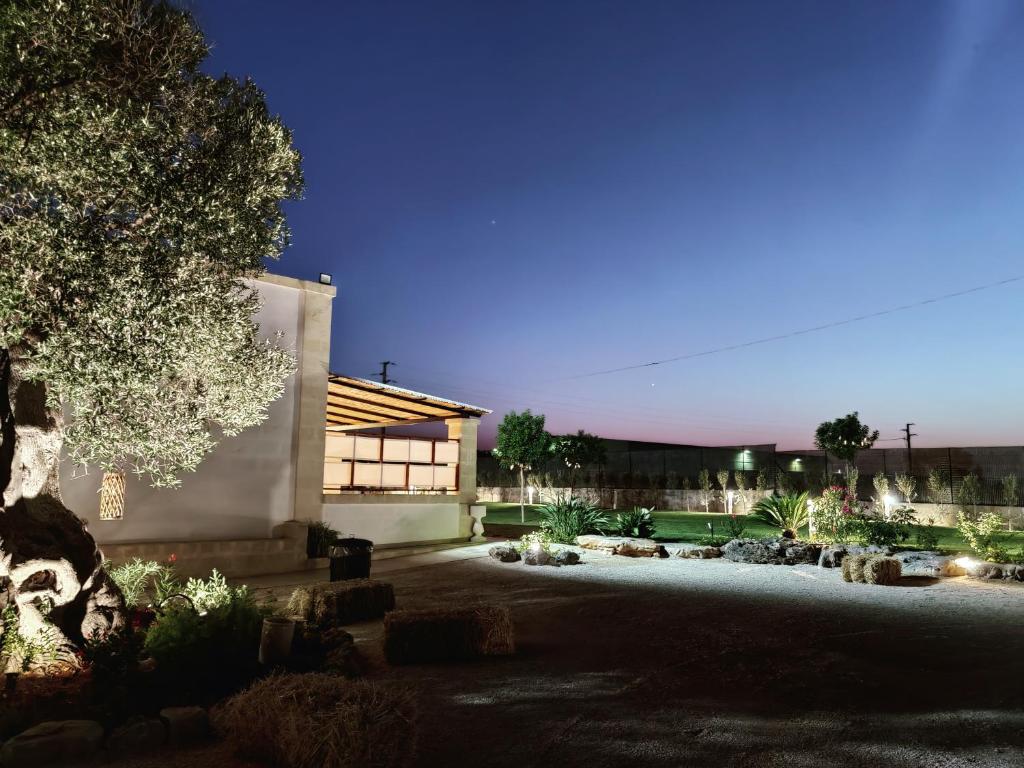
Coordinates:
(537, 556)
(777, 550)
(930, 564)
(56, 742)
(505, 553)
(185, 725)
(567, 557)
(622, 545)
(694, 551)
(140, 734)
(1006, 571)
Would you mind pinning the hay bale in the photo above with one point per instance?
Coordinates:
(334, 603)
(317, 720)
(882, 570)
(448, 634)
(853, 567)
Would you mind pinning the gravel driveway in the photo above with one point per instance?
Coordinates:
(707, 662)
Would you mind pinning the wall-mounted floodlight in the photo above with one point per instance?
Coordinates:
(325, 279)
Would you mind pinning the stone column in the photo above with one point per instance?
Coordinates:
(464, 430)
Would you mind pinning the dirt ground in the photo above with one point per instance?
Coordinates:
(625, 662)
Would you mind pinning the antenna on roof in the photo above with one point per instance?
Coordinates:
(383, 373)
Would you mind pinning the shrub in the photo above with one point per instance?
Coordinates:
(211, 654)
(873, 530)
(535, 539)
(834, 514)
(320, 536)
(568, 518)
(25, 653)
(133, 578)
(786, 512)
(317, 720)
(636, 522)
(926, 537)
(734, 527)
(982, 534)
(448, 634)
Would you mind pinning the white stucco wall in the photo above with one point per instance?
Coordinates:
(399, 523)
(243, 488)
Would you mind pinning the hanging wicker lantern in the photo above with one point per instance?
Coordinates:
(112, 496)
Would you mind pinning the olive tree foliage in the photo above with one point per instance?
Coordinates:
(522, 444)
(136, 194)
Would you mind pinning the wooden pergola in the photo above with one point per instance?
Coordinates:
(354, 404)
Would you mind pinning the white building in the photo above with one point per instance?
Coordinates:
(241, 510)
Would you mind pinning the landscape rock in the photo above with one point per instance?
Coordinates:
(505, 553)
(567, 557)
(930, 564)
(694, 551)
(623, 545)
(771, 551)
(537, 556)
(56, 742)
(141, 734)
(185, 725)
(1005, 571)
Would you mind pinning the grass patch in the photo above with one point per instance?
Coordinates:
(679, 526)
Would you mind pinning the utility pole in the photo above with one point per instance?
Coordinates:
(910, 457)
(384, 372)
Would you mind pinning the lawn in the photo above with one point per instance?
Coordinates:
(677, 525)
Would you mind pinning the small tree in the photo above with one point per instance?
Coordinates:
(741, 489)
(761, 483)
(852, 480)
(938, 487)
(722, 476)
(969, 495)
(578, 451)
(1011, 495)
(907, 486)
(707, 493)
(844, 437)
(684, 484)
(881, 483)
(522, 444)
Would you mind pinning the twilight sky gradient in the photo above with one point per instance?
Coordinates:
(520, 192)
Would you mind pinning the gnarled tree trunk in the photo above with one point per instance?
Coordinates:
(50, 566)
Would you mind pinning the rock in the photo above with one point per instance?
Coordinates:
(1006, 571)
(185, 725)
(537, 556)
(694, 551)
(930, 564)
(55, 742)
(140, 734)
(771, 551)
(505, 553)
(567, 557)
(622, 545)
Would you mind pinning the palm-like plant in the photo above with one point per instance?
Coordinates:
(636, 522)
(567, 518)
(785, 512)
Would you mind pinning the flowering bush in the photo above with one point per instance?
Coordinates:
(834, 514)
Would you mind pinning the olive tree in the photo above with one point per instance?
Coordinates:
(522, 444)
(136, 194)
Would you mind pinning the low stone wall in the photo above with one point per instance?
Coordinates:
(621, 498)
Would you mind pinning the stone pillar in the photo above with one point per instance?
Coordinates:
(313, 357)
(464, 430)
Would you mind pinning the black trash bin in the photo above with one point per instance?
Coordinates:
(350, 559)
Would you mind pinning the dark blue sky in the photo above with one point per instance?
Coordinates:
(508, 194)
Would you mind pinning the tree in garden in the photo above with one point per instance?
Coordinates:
(938, 487)
(969, 495)
(135, 194)
(741, 488)
(522, 444)
(844, 437)
(881, 483)
(1011, 494)
(762, 483)
(705, 491)
(907, 486)
(722, 476)
(578, 451)
(852, 480)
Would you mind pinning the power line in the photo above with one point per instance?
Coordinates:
(801, 332)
